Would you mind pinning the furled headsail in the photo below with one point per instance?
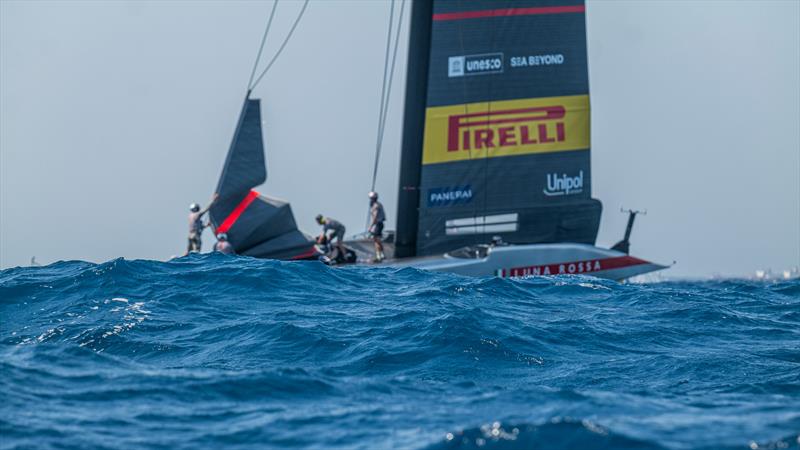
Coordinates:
(256, 225)
(501, 141)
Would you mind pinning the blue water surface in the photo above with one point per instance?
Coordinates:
(211, 351)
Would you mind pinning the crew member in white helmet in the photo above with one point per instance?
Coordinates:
(377, 217)
(223, 246)
(196, 225)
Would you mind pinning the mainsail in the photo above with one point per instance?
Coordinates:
(496, 139)
(256, 225)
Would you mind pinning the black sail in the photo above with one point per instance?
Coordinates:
(505, 139)
(256, 225)
(245, 166)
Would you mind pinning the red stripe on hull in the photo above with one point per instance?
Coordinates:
(305, 255)
(234, 215)
(575, 267)
(510, 12)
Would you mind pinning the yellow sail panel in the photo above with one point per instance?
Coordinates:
(506, 128)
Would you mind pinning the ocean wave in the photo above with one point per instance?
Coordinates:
(558, 433)
(210, 350)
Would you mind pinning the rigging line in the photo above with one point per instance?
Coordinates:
(388, 95)
(381, 108)
(382, 126)
(383, 94)
(283, 45)
(391, 77)
(261, 48)
(386, 64)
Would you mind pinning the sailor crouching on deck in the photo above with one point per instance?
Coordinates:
(196, 225)
(223, 246)
(377, 217)
(331, 228)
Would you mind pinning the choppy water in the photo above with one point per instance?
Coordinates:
(212, 351)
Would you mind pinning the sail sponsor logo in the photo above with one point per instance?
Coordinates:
(526, 126)
(506, 128)
(563, 184)
(459, 66)
(537, 60)
(449, 196)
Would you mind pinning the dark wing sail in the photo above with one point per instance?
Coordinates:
(264, 227)
(245, 166)
(256, 225)
(505, 140)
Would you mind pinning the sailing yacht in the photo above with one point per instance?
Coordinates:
(495, 169)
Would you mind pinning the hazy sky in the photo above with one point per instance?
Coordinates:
(114, 116)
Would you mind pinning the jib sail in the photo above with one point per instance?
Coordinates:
(256, 225)
(500, 142)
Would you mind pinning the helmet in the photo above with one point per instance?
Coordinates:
(320, 219)
(222, 237)
(373, 195)
(194, 207)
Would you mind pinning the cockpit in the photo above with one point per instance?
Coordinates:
(470, 252)
(476, 251)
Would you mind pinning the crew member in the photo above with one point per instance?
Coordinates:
(377, 217)
(331, 229)
(196, 225)
(223, 246)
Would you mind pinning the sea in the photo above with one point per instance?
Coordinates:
(213, 351)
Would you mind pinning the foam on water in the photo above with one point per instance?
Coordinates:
(211, 351)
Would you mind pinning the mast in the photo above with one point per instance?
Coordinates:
(413, 128)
